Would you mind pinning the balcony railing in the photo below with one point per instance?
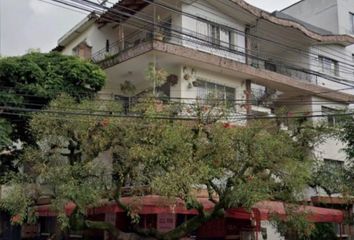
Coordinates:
(194, 40)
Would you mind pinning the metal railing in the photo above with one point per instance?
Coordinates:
(205, 43)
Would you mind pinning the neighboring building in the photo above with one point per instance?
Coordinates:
(336, 17)
(256, 61)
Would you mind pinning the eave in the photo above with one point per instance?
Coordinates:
(78, 29)
(344, 40)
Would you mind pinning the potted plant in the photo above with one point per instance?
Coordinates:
(158, 33)
(172, 79)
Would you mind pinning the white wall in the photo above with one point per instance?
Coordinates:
(95, 37)
(210, 13)
(332, 147)
(345, 70)
(345, 7)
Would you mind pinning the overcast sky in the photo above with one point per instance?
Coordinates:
(28, 24)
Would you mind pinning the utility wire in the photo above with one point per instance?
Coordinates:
(293, 99)
(164, 117)
(172, 8)
(318, 74)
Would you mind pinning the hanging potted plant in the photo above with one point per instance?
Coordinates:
(172, 79)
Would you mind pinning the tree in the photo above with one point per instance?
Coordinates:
(30, 82)
(237, 165)
(338, 178)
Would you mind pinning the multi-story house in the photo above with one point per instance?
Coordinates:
(257, 61)
(335, 17)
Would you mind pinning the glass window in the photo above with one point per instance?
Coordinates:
(352, 21)
(222, 36)
(225, 38)
(207, 90)
(328, 65)
(214, 33)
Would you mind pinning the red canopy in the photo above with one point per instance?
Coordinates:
(264, 211)
(153, 204)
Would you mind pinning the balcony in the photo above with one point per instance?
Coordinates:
(203, 43)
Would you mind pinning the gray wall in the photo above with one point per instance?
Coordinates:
(320, 13)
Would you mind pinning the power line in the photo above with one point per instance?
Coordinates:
(60, 6)
(172, 8)
(242, 100)
(287, 46)
(177, 118)
(120, 12)
(131, 15)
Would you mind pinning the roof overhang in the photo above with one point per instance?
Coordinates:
(344, 40)
(78, 29)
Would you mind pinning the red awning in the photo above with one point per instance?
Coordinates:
(153, 204)
(265, 210)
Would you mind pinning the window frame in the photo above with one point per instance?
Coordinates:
(206, 88)
(323, 60)
(215, 33)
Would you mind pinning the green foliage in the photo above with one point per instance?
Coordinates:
(5, 131)
(18, 200)
(239, 166)
(157, 76)
(31, 81)
(47, 75)
(322, 231)
(128, 88)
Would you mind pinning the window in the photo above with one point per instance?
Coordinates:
(83, 50)
(352, 21)
(206, 90)
(328, 65)
(107, 46)
(332, 118)
(270, 66)
(214, 33)
(334, 163)
(222, 36)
